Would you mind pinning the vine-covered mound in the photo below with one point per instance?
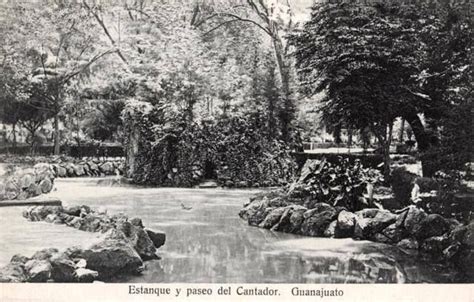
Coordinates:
(328, 201)
(235, 151)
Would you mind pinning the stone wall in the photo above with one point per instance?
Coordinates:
(24, 183)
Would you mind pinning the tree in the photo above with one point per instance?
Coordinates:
(367, 61)
(53, 44)
(274, 19)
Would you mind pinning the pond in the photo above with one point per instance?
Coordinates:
(209, 243)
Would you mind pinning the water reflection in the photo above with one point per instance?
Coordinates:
(211, 244)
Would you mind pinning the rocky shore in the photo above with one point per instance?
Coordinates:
(413, 230)
(122, 248)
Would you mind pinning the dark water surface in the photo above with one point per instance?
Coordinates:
(211, 244)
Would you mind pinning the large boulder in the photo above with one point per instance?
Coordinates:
(296, 220)
(110, 257)
(38, 270)
(85, 275)
(413, 219)
(157, 238)
(79, 170)
(138, 238)
(434, 246)
(272, 218)
(345, 224)
(13, 272)
(44, 254)
(372, 221)
(394, 233)
(318, 219)
(107, 168)
(408, 244)
(46, 186)
(431, 226)
(62, 268)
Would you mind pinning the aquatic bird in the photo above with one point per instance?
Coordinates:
(187, 208)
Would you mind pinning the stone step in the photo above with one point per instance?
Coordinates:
(31, 202)
(210, 184)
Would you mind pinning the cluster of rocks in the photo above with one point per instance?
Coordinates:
(122, 248)
(88, 168)
(24, 183)
(409, 229)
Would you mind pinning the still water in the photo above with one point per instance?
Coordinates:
(211, 244)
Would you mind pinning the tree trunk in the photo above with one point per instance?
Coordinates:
(423, 141)
(288, 107)
(421, 136)
(402, 131)
(14, 136)
(56, 135)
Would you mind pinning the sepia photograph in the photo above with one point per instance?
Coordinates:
(242, 144)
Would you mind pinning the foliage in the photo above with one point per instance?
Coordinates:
(382, 61)
(234, 150)
(340, 183)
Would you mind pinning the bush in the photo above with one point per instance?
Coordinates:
(402, 183)
(339, 183)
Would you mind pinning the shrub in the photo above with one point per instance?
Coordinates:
(339, 183)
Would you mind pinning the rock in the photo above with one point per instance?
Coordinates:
(39, 213)
(272, 218)
(27, 180)
(12, 188)
(79, 170)
(61, 171)
(74, 210)
(157, 238)
(44, 254)
(369, 223)
(93, 168)
(431, 226)
(107, 168)
(63, 268)
(76, 222)
(13, 272)
(38, 270)
(434, 246)
(382, 238)
(90, 223)
(139, 240)
(345, 224)
(368, 213)
(318, 219)
(50, 218)
(110, 257)
(331, 230)
(19, 259)
(296, 220)
(32, 190)
(408, 243)
(393, 232)
(451, 251)
(46, 186)
(136, 222)
(81, 263)
(70, 169)
(85, 275)
(413, 220)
